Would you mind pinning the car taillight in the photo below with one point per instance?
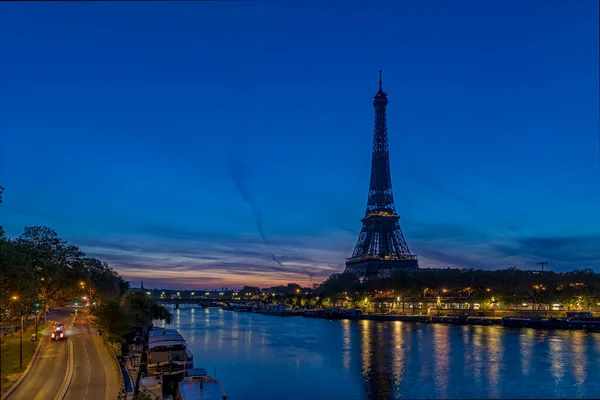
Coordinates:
(53, 335)
(62, 335)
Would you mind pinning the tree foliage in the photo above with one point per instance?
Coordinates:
(39, 267)
(145, 309)
(56, 263)
(510, 285)
(114, 319)
(249, 291)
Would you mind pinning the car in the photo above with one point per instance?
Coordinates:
(58, 333)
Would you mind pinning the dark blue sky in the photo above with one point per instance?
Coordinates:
(123, 125)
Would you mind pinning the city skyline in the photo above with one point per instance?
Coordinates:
(159, 146)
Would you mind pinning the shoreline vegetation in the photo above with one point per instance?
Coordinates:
(426, 290)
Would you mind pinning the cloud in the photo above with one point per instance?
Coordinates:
(239, 259)
(463, 246)
(584, 249)
(169, 257)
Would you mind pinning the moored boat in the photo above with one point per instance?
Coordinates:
(198, 385)
(278, 309)
(168, 352)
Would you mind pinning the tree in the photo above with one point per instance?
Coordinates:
(56, 263)
(115, 320)
(145, 309)
(18, 289)
(2, 234)
(103, 282)
(249, 291)
(339, 283)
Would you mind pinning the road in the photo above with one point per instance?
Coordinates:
(91, 365)
(46, 376)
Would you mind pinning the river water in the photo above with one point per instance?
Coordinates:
(269, 357)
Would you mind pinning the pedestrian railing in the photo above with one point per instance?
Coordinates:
(8, 329)
(122, 392)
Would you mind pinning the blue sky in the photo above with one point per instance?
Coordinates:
(123, 126)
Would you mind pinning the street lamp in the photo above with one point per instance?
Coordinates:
(36, 320)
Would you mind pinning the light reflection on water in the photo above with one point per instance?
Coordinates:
(441, 348)
(258, 356)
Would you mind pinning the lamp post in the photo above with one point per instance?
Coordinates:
(15, 298)
(21, 345)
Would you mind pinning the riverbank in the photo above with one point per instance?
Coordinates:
(584, 323)
(9, 354)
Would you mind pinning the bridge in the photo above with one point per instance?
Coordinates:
(206, 302)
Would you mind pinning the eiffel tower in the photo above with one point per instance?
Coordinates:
(381, 247)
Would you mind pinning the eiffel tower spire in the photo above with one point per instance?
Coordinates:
(381, 246)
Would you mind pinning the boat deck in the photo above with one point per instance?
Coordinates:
(197, 389)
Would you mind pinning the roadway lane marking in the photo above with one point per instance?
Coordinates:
(68, 377)
(89, 368)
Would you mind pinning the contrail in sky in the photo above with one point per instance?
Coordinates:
(239, 179)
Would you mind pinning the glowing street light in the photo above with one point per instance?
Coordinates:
(15, 297)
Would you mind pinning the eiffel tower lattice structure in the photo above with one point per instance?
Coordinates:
(381, 247)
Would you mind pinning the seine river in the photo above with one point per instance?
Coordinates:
(269, 357)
